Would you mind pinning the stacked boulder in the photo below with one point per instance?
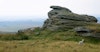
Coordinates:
(61, 18)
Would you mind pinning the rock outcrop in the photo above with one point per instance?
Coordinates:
(27, 31)
(61, 18)
(83, 31)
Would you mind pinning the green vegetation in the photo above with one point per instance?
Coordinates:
(53, 35)
(94, 27)
(13, 37)
(49, 41)
(64, 36)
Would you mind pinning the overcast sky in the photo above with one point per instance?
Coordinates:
(37, 9)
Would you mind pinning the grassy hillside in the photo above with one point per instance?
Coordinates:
(47, 46)
(50, 41)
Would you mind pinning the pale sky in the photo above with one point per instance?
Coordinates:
(38, 9)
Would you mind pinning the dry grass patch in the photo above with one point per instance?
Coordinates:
(46, 46)
(94, 27)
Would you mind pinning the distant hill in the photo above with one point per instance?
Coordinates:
(14, 26)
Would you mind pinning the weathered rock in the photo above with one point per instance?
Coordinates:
(61, 18)
(82, 31)
(29, 31)
(96, 35)
(26, 31)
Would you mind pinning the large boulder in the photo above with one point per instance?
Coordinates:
(83, 31)
(61, 18)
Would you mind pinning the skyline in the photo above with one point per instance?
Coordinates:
(35, 9)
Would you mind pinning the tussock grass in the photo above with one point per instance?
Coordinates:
(47, 46)
(95, 27)
(13, 37)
